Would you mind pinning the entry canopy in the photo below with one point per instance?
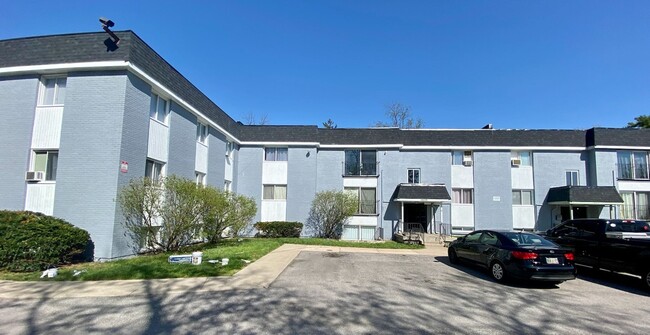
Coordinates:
(584, 195)
(414, 193)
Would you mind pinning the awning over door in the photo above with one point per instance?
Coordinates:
(584, 195)
(414, 193)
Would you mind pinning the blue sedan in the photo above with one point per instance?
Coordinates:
(514, 255)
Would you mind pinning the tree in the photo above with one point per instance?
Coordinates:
(329, 212)
(329, 124)
(641, 121)
(160, 215)
(400, 116)
(173, 212)
(252, 120)
(223, 211)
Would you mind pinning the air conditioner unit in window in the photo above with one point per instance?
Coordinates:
(515, 162)
(34, 175)
(467, 163)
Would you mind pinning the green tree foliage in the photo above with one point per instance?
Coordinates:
(225, 212)
(329, 212)
(278, 229)
(33, 241)
(641, 121)
(399, 116)
(173, 212)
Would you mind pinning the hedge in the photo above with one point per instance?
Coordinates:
(33, 242)
(278, 229)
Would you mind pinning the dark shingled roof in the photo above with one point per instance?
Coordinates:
(90, 47)
(584, 194)
(634, 137)
(278, 133)
(406, 192)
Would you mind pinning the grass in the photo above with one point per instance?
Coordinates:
(156, 266)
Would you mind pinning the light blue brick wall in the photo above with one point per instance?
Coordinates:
(606, 168)
(216, 158)
(18, 97)
(330, 170)
(549, 170)
(182, 143)
(249, 175)
(302, 178)
(492, 190)
(89, 155)
(133, 151)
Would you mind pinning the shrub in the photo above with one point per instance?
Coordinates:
(329, 211)
(33, 241)
(278, 229)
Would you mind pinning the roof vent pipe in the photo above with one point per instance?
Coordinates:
(487, 126)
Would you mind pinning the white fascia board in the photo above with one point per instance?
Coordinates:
(64, 67)
(280, 144)
(474, 148)
(361, 146)
(422, 200)
(178, 100)
(618, 147)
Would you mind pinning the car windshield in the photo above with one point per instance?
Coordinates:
(525, 239)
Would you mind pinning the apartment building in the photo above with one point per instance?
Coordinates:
(82, 118)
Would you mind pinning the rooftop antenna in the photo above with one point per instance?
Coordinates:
(111, 43)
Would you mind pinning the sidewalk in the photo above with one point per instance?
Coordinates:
(259, 274)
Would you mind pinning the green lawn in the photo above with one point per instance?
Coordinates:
(156, 266)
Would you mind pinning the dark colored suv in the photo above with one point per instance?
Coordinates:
(616, 245)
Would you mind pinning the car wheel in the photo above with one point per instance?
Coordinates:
(498, 272)
(453, 258)
(646, 279)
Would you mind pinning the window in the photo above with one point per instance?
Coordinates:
(154, 170)
(227, 185)
(367, 199)
(524, 158)
(53, 91)
(635, 205)
(461, 158)
(201, 132)
(414, 176)
(275, 192)
(632, 165)
(276, 154)
(158, 108)
(463, 196)
(360, 162)
(473, 238)
(200, 178)
(572, 178)
(47, 162)
(522, 197)
(490, 238)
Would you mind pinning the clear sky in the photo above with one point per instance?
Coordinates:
(457, 64)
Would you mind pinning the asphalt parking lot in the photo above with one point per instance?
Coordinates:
(353, 293)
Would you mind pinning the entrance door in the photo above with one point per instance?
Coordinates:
(416, 213)
(578, 213)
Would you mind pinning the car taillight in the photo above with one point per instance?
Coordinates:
(524, 255)
(569, 256)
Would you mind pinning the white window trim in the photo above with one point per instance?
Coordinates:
(41, 91)
(165, 122)
(521, 193)
(577, 172)
(462, 196)
(202, 133)
(408, 171)
(274, 186)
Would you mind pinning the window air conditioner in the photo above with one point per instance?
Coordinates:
(34, 176)
(467, 163)
(515, 162)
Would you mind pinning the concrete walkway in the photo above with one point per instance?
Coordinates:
(259, 274)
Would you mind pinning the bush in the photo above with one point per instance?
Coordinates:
(278, 229)
(33, 241)
(329, 211)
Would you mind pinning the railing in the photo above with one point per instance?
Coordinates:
(359, 169)
(632, 171)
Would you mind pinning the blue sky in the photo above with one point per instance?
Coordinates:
(457, 64)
